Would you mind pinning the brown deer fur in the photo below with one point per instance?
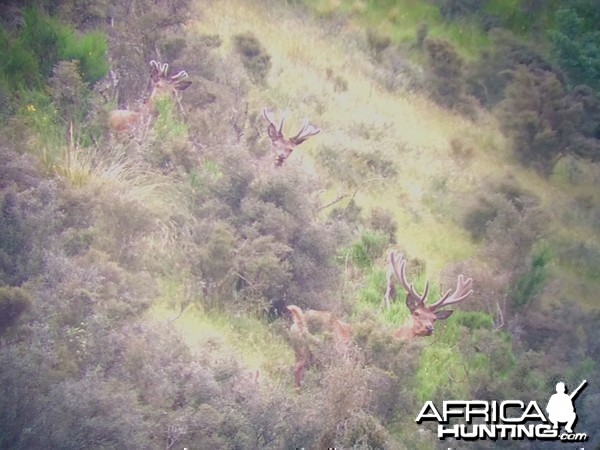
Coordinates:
(284, 147)
(424, 316)
(122, 120)
(306, 324)
(421, 323)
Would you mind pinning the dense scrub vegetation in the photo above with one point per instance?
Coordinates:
(144, 278)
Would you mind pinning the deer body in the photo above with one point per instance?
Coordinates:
(423, 317)
(284, 147)
(306, 324)
(122, 120)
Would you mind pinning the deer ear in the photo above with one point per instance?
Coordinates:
(444, 314)
(412, 302)
(272, 132)
(182, 85)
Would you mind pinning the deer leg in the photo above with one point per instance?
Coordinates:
(299, 373)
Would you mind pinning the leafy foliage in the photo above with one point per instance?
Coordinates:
(30, 55)
(447, 72)
(540, 117)
(577, 46)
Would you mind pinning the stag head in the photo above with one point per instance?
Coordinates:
(284, 147)
(424, 316)
(162, 83)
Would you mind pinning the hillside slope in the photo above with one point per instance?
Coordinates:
(144, 277)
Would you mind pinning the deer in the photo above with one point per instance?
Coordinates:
(284, 147)
(421, 324)
(122, 120)
(305, 325)
(423, 317)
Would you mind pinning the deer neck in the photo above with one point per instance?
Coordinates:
(406, 332)
(299, 319)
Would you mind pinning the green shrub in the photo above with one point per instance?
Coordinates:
(28, 56)
(576, 43)
(532, 281)
(20, 66)
(90, 50)
(473, 320)
(541, 118)
(369, 247)
(45, 37)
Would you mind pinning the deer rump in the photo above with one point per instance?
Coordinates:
(314, 333)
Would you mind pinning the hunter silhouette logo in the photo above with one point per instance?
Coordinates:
(560, 406)
(508, 419)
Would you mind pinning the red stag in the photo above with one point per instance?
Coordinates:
(121, 120)
(423, 317)
(284, 147)
(305, 325)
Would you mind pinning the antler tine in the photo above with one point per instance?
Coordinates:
(311, 131)
(307, 130)
(462, 291)
(165, 69)
(179, 75)
(268, 115)
(154, 71)
(302, 129)
(400, 272)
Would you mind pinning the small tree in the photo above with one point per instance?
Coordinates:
(539, 117)
(446, 80)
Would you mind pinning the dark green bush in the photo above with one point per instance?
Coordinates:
(13, 303)
(446, 78)
(254, 56)
(489, 75)
(90, 50)
(45, 37)
(540, 118)
(576, 41)
(378, 42)
(532, 281)
(29, 55)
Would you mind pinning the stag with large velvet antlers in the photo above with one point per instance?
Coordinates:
(307, 323)
(424, 316)
(121, 120)
(284, 147)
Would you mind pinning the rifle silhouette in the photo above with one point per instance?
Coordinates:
(573, 394)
